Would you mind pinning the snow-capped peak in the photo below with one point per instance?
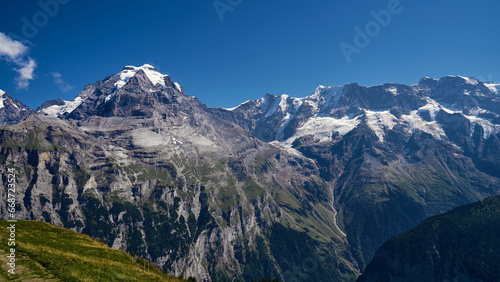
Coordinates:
(234, 108)
(470, 80)
(129, 71)
(1, 93)
(467, 80)
(279, 102)
(325, 96)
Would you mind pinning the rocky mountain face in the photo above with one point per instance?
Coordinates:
(292, 188)
(147, 169)
(394, 154)
(461, 245)
(11, 110)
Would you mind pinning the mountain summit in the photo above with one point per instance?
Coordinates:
(11, 110)
(133, 85)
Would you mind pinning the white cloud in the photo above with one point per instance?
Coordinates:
(11, 48)
(63, 85)
(25, 73)
(13, 51)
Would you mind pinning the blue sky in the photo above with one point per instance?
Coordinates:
(228, 51)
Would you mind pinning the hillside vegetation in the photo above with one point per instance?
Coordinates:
(461, 245)
(49, 253)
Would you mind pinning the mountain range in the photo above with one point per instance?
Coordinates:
(279, 187)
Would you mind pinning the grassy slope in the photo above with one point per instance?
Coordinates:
(49, 253)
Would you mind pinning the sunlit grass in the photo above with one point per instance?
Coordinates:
(49, 252)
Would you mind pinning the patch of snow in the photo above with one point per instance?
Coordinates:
(393, 90)
(324, 97)
(234, 108)
(283, 123)
(470, 80)
(287, 147)
(297, 102)
(2, 98)
(433, 128)
(477, 111)
(322, 128)
(153, 75)
(317, 92)
(279, 102)
(488, 127)
(283, 104)
(110, 97)
(333, 95)
(68, 107)
(495, 88)
(380, 121)
(432, 107)
(415, 122)
(178, 86)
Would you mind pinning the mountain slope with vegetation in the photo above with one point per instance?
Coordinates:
(49, 253)
(460, 245)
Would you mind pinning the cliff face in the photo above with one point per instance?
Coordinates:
(461, 245)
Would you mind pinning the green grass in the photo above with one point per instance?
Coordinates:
(253, 190)
(49, 253)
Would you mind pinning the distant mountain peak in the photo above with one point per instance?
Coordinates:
(145, 66)
(152, 74)
(428, 81)
(144, 77)
(458, 80)
(11, 110)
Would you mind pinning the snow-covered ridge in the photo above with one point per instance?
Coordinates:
(325, 97)
(280, 103)
(495, 88)
(470, 80)
(322, 128)
(68, 107)
(129, 71)
(234, 108)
